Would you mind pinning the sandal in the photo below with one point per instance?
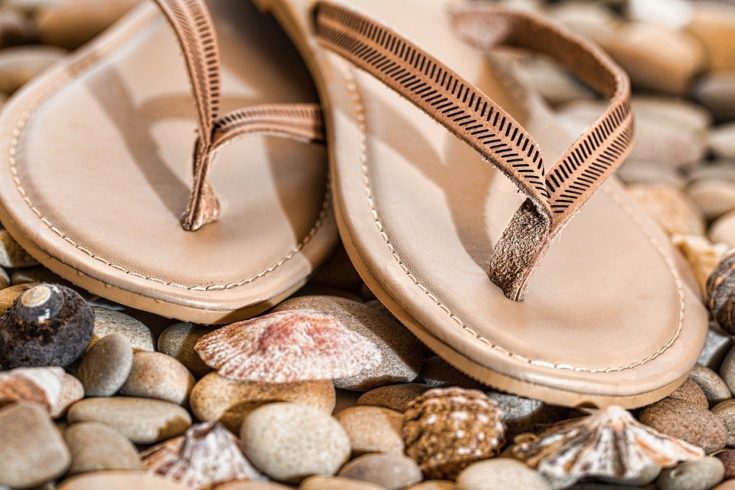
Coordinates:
(99, 170)
(484, 263)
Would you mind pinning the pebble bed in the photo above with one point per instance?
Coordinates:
(136, 407)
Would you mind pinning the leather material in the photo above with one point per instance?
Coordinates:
(97, 170)
(609, 316)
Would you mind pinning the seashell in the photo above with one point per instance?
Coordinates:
(40, 385)
(609, 444)
(701, 254)
(721, 292)
(206, 455)
(447, 429)
(288, 346)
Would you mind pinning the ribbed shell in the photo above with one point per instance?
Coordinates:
(206, 455)
(609, 444)
(288, 346)
(446, 430)
(41, 385)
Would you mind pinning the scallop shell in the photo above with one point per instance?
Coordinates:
(208, 454)
(446, 430)
(41, 385)
(288, 346)
(609, 444)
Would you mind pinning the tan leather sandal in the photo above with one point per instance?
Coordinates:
(97, 167)
(484, 263)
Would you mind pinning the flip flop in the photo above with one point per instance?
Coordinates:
(97, 168)
(498, 268)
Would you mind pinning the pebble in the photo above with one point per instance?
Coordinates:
(727, 458)
(677, 13)
(728, 485)
(438, 373)
(500, 474)
(672, 111)
(713, 386)
(97, 447)
(526, 414)
(72, 24)
(106, 366)
(141, 420)
(31, 449)
(716, 91)
(336, 483)
(700, 474)
(725, 411)
(591, 20)
(372, 429)
(713, 197)
(433, 485)
(72, 391)
(722, 141)
(717, 169)
(671, 207)
(17, 67)
(250, 485)
(550, 81)
(178, 341)
(107, 321)
(156, 375)
(714, 26)
(119, 480)
(678, 418)
(395, 397)
(401, 351)
(391, 471)
(215, 397)
(650, 172)
(690, 392)
(727, 370)
(11, 254)
(723, 230)
(288, 441)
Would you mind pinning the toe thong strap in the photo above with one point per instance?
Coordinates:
(192, 23)
(475, 118)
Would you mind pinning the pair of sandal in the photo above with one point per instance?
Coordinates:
(441, 178)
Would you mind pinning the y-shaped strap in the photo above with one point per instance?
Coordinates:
(197, 39)
(473, 117)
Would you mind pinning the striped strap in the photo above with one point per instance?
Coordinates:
(473, 117)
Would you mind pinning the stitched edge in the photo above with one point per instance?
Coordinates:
(76, 68)
(359, 109)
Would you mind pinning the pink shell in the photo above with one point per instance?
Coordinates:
(288, 346)
(41, 385)
(206, 455)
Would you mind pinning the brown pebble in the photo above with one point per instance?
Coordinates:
(71, 392)
(336, 483)
(156, 375)
(97, 447)
(395, 397)
(372, 429)
(691, 392)
(391, 471)
(688, 422)
(725, 411)
(728, 461)
(713, 386)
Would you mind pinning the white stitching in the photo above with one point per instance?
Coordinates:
(359, 109)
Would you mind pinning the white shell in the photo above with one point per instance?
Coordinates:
(286, 347)
(609, 444)
(206, 455)
(41, 385)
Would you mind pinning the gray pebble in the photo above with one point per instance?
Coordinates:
(700, 474)
(178, 341)
(107, 321)
(716, 347)
(500, 474)
(106, 366)
(97, 447)
(526, 414)
(713, 386)
(72, 391)
(727, 370)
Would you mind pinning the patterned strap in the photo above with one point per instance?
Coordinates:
(473, 117)
(195, 33)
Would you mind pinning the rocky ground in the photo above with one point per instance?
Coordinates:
(137, 406)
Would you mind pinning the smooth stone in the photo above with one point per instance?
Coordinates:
(120, 480)
(671, 207)
(433, 485)
(251, 485)
(672, 111)
(714, 26)
(700, 474)
(716, 347)
(11, 254)
(107, 321)
(72, 24)
(395, 397)
(688, 422)
(391, 471)
(156, 375)
(141, 420)
(725, 411)
(674, 14)
(717, 170)
(17, 67)
(526, 414)
(372, 429)
(713, 197)
(713, 386)
(215, 397)
(287, 441)
(97, 447)
(690, 392)
(591, 20)
(716, 91)
(645, 172)
(402, 352)
(336, 483)
(499, 474)
(727, 370)
(550, 81)
(178, 341)
(727, 458)
(723, 230)
(106, 366)
(438, 373)
(31, 449)
(722, 141)
(72, 391)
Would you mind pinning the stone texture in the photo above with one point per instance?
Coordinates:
(690, 392)
(701, 474)
(716, 91)
(499, 474)
(727, 457)
(713, 386)
(372, 429)
(716, 347)
(395, 397)
(106, 366)
(72, 391)
(178, 341)
(685, 421)
(336, 483)
(722, 141)
(526, 414)
(725, 411)
(119, 480)
(108, 321)
(156, 375)
(97, 447)
(713, 197)
(714, 26)
(391, 471)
